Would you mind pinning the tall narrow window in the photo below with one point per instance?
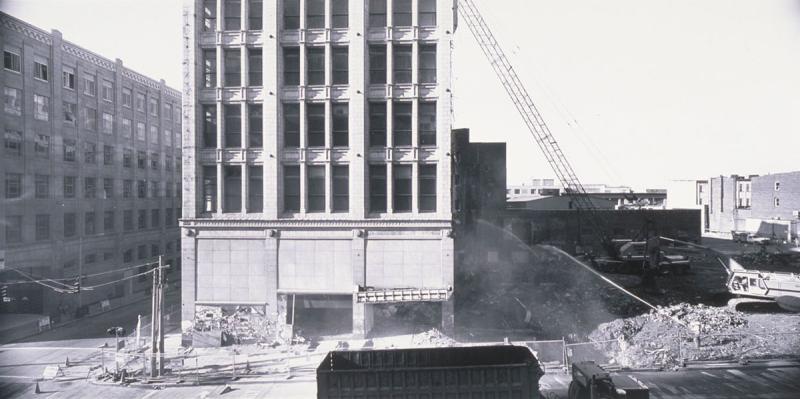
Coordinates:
(69, 225)
(340, 66)
(89, 223)
(427, 188)
(255, 69)
(402, 64)
(70, 148)
(210, 126)
(90, 187)
(427, 63)
(233, 14)
(316, 188)
(377, 124)
(291, 14)
(70, 113)
(108, 188)
(42, 188)
(233, 126)
(377, 188)
(13, 185)
(108, 221)
(209, 189)
(340, 124)
(315, 14)
(339, 14)
(40, 68)
(108, 123)
(291, 188)
(315, 122)
(233, 67)
(316, 66)
(13, 229)
(291, 125)
(141, 131)
(401, 132)
(12, 101)
(90, 118)
(209, 15)
(401, 13)
(41, 107)
(291, 66)
(233, 189)
(210, 68)
(127, 128)
(255, 116)
(41, 146)
(69, 186)
(255, 189)
(341, 188)
(427, 13)
(42, 227)
(255, 14)
(127, 220)
(108, 90)
(68, 78)
(377, 64)
(377, 13)
(427, 123)
(401, 183)
(108, 155)
(89, 85)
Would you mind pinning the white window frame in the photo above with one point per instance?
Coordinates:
(68, 71)
(38, 62)
(109, 91)
(16, 52)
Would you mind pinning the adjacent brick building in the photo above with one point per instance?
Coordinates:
(317, 157)
(90, 166)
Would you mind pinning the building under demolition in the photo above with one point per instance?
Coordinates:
(317, 159)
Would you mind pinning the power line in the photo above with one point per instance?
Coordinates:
(56, 280)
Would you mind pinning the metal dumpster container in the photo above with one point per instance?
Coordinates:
(463, 372)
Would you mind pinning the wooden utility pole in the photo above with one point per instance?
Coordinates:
(161, 315)
(153, 322)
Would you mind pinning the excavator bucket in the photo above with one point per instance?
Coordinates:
(789, 303)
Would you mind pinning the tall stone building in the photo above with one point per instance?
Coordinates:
(90, 170)
(317, 138)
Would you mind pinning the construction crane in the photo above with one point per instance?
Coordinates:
(533, 120)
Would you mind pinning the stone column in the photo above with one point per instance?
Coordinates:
(363, 319)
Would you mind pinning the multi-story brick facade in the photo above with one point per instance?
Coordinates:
(90, 168)
(316, 156)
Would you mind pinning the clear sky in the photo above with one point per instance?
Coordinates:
(638, 92)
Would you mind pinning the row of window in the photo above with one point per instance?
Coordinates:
(41, 111)
(43, 223)
(13, 142)
(14, 187)
(402, 72)
(402, 126)
(317, 188)
(155, 250)
(12, 61)
(231, 14)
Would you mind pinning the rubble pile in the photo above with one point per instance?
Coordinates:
(238, 324)
(656, 340)
(432, 338)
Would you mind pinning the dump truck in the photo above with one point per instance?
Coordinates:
(590, 381)
(480, 371)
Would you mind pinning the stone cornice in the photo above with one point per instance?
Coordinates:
(315, 224)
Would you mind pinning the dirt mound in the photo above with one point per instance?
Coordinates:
(433, 338)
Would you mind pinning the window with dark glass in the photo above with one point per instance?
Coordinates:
(69, 186)
(427, 188)
(340, 65)
(339, 14)
(401, 183)
(209, 189)
(315, 14)
(41, 146)
(11, 61)
(155, 218)
(291, 14)
(401, 120)
(13, 229)
(255, 189)
(427, 63)
(108, 155)
(291, 188)
(90, 152)
(255, 70)
(291, 66)
(12, 142)
(377, 64)
(13, 185)
(127, 220)
(40, 68)
(233, 14)
(141, 159)
(141, 188)
(233, 67)
(88, 223)
(42, 227)
(377, 124)
(70, 227)
(291, 125)
(42, 188)
(255, 14)
(377, 13)
(427, 123)
(209, 15)
(233, 126)
(316, 188)
(108, 221)
(70, 148)
(89, 187)
(340, 124)
(427, 13)
(232, 189)
(377, 188)
(210, 68)
(315, 124)
(108, 188)
(210, 126)
(402, 64)
(255, 116)
(401, 13)
(127, 188)
(341, 188)
(315, 57)
(141, 219)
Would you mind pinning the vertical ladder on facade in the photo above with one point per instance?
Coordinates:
(531, 115)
